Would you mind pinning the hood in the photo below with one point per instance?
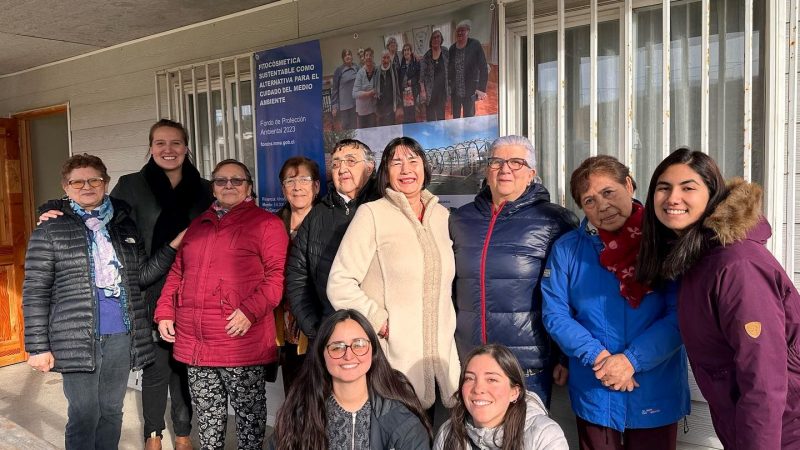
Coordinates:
(492, 438)
(535, 193)
(738, 216)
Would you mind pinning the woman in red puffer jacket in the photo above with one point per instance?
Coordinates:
(217, 303)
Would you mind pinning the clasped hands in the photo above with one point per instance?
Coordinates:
(614, 371)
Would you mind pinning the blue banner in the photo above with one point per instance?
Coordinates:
(288, 114)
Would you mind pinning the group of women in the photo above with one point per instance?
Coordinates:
(375, 93)
(480, 310)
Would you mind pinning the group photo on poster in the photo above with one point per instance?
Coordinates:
(433, 79)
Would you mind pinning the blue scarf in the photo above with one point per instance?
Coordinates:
(104, 258)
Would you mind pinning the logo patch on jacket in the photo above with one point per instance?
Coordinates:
(130, 240)
(546, 273)
(753, 329)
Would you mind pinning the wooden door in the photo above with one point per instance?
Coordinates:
(12, 246)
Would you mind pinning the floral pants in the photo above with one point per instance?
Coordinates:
(211, 387)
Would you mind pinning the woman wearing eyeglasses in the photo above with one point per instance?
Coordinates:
(84, 312)
(501, 242)
(395, 265)
(164, 196)
(217, 307)
(300, 184)
(352, 397)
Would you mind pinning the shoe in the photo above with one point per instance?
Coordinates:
(183, 443)
(153, 443)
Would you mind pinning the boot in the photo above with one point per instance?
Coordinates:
(153, 442)
(183, 443)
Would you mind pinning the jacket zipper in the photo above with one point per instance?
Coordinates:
(495, 214)
(353, 437)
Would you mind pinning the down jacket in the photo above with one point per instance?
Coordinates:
(739, 315)
(225, 264)
(540, 433)
(60, 299)
(393, 267)
(312, 253)
(500, 256)
(585, 314)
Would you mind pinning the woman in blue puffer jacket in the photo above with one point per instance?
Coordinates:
(628, 377)
(501, 242)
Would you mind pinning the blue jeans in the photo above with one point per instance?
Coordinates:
(95, 398)
(540, 382)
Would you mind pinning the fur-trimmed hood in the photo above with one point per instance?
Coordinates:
(738, 214)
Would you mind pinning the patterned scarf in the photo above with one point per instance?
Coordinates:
(619, 256)
(104, 258)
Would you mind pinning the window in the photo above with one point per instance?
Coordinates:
(726, 88)
(219, 126)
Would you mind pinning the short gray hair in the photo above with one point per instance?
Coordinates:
(522, 141)
(466, 23)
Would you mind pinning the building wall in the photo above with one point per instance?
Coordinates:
(112, 100)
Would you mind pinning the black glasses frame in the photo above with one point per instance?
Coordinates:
(341, 345)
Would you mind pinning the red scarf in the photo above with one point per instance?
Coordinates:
(619, 256)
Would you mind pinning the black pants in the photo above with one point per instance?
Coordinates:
(291, 363)
(596, 437)
(462, 102)
(435, 109)
(166, 375)
(367, 121)
(347, 118)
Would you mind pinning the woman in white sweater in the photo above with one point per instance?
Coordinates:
(493, 411)
(395, 265)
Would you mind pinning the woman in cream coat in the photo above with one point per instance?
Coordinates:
(396, 266)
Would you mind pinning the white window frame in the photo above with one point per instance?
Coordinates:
(175, 86)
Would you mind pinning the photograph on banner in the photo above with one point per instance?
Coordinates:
(433, 79)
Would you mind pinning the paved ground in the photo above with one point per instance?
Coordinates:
(36, 402)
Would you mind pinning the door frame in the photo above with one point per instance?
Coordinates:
(24, 118)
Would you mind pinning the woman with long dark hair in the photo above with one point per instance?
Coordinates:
(492, 409)
(348, 380)
(738, 310)
(395, 265)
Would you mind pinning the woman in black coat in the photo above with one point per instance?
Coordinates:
(84, 312)
(164, 196)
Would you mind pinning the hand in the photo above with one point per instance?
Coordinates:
(603, 355)
(47, 215)
(384, 332)
(166, 328)
(632, 384)
(615, 372)
(42, 362)
(178, 239)
(334, 111)
(238, 323)
(480, 95)
(560, 375)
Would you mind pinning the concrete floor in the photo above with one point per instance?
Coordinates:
(36, 402)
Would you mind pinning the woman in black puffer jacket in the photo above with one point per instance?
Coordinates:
(83, 308)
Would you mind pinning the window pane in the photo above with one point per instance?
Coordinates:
(647, 87)
(242, 122)
(546, 79)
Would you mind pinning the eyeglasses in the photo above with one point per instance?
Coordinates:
(513, 163)
(336, 163)
(222, 182)
(300, 181)
(79, 184)
(359, 347)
